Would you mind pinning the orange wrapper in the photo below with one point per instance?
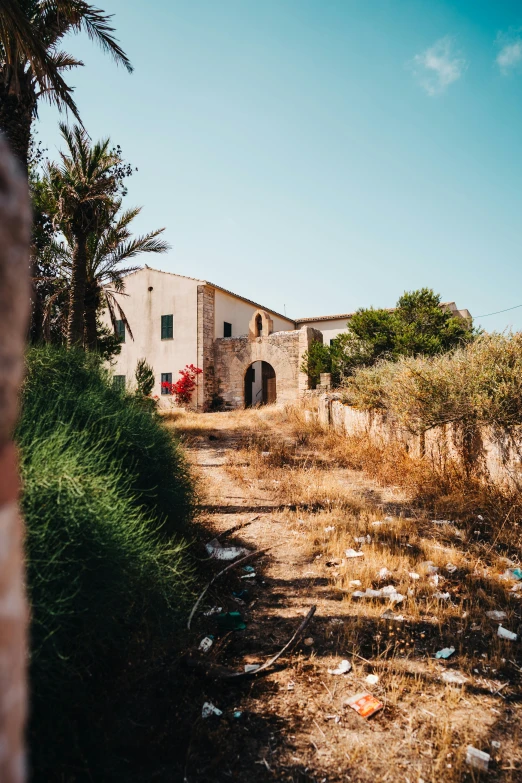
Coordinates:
(365, 704)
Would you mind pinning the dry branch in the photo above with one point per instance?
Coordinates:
(224, 673)
(250, 556)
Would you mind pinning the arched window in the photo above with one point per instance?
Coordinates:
(259, 326)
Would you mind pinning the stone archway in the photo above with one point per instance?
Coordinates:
(260, 387)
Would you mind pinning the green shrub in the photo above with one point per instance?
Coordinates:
(73, 387)
(102, 577)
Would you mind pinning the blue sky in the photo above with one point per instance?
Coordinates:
(321, 155)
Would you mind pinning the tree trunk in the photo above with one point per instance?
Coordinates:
(15, 233)
(16, 115)
(76, 323)
(91, 308)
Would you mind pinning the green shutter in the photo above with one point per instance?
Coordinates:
(120, 330)
(118, 382)
(167, 327)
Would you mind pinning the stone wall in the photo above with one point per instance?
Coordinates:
(282, 350)
(205, 343)
(494, 455)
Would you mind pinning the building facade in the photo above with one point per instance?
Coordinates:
(248, 354)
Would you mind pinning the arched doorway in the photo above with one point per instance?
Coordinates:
(260, 385)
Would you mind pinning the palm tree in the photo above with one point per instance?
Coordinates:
(32, 63)
(81, 194)
(106, 252)
(105, 275)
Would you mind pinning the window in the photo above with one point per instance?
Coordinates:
(118, 382)
(227, 329)
(166, 380)
(332, 341)
(259, 326)
(120, 330)
(167, 328)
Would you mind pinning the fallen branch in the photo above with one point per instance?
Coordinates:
(250, 556)
(223, 673)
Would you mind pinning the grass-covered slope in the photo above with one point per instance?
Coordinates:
(104, 487)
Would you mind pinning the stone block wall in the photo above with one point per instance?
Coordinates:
(205, 343)
(234, 355)
(493, 455)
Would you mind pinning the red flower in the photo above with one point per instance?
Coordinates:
(183, 388)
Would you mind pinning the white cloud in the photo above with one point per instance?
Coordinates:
(438, 66)
(510, 54)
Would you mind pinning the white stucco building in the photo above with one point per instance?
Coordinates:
(248, 354)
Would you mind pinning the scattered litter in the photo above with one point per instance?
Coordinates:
(505, 634)
(363, 539)
(389, 592)
(248, 576)
(434, 580)
(414, 575)
(237, 714)
(206, 643)
(446, 652)
(353, 553)
(430, 567)
(496, 614)
(231, 621)
(335, 718)
(290, 686)
(209, 709)
(214, 610)
(516, 573)
(365, 704)
(495, 744)
(336, 621)
(219, 552)
(377, 523)
(265, 453)
(242, 595)
(477, 758)
(343, 668)
(389, 615)
(442, 522)
(453, 677)
(329, 529)
(251, 667)
(354, 583)
(388, 519)
(384, 573)
(248, 569)
(309, 641)
(442, 596)
(372, 679)
(450, 568)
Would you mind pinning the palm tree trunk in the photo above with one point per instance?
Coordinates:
(91, 308)
(16, 117)
(75, 326)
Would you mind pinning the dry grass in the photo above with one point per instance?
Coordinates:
(316, 477)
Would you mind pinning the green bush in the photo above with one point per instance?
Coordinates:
(72, 387)
(102, 576)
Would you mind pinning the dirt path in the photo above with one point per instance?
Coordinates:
(293, 723)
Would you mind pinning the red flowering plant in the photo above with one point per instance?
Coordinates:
(183, 389)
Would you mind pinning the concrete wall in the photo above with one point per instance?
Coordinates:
(170, 294)
(493, 455)
(238, 313)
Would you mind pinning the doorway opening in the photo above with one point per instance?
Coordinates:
(260, 385)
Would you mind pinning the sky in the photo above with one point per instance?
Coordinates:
(318, 156)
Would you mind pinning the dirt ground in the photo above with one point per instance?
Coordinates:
(292, 722)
